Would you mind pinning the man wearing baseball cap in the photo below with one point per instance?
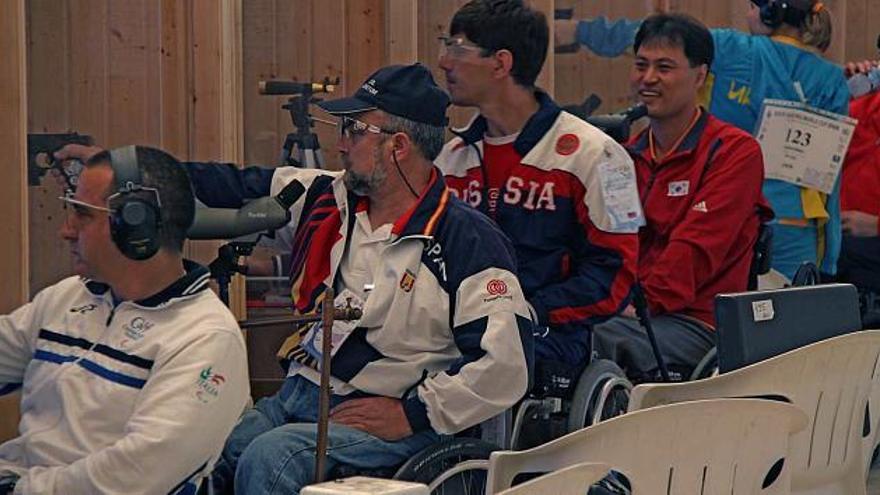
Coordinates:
(444, 324)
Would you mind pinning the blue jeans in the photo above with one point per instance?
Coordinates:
(272, 448)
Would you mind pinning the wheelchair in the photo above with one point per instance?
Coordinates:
(600, 390)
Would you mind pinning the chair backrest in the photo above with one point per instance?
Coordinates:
(829, 380)
(573, 480)
(871, 430)
(731, 446)
(753, 326)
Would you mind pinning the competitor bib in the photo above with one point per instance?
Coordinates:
(803, 145)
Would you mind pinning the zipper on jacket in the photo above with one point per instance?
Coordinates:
(110, 316)
(651, 179)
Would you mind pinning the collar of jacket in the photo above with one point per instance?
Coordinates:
(422, 218)
(639, 144)
(193, 281)
(535, 129)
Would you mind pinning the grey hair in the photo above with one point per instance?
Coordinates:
(427, 138)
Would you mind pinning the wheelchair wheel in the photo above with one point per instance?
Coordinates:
(456, 467)
(707, 366)
(602, 392)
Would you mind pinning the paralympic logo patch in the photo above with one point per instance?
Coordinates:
(208, 385)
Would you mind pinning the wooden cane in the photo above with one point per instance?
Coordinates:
(328, 313)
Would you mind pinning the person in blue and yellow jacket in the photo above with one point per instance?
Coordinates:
(781, 59)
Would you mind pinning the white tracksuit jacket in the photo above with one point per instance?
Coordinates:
(136, 399)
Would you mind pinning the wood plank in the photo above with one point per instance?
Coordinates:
(329, 59)
(89, 94)
(873, 16)
(837, 51)
(14, 197)
(568, 80)
(856, 27)
(151, 24)
(126, 84)
(401, 31)
(48, 106)
(547, 77)
(259, 42)
(13, 119)
(364, 40)
(175, 108)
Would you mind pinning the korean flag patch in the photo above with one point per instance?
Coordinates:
(678, 188)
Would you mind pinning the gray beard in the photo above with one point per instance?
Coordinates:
(364, 184)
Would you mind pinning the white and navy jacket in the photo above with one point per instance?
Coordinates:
(446, 327)
(570, 205)
(136, 398)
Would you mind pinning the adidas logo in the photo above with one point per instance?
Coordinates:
(701, 206)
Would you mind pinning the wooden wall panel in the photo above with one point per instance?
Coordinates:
(156, 72)
(580, 74)
(329, 41)
(50, 81)
(365, 49)
(402, 31)
(13, 120)
(13, 200)
(862, 26)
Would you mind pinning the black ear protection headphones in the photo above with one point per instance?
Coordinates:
(135, 220)
(774, 13)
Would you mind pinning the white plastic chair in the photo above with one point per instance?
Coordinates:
(829, 380)
(573, 480)
(872, 440)
(730, 446)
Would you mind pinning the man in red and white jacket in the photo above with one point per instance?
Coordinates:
(564, 192)
(700, 185)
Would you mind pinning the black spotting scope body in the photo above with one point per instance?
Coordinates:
(260, 215)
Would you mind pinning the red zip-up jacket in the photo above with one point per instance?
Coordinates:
(703, 205)
(861, 168)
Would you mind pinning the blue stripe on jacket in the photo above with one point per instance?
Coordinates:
(91, 366)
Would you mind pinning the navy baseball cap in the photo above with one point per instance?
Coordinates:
(407, 91)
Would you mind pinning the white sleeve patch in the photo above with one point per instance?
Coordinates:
(620, 198)
(493, 290)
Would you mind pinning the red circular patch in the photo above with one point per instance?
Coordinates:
(496, 287)
(567, 144)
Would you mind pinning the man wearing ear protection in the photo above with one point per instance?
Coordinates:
(132, 372)
(444, 342)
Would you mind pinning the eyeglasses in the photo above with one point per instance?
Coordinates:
(455, 47)
(80, 210)
(350, 127)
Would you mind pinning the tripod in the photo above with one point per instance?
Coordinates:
(303, 143)
(301, 148)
